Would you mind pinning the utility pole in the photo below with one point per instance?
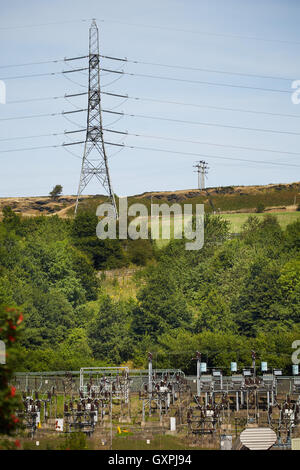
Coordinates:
(198, 357)
(150, 378)
(94, 160)
(253, 356)
(202, 170)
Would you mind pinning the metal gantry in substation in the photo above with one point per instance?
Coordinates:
(164, 388)
(105, 381)
(82, 414)
(35, 408)
(99, 389)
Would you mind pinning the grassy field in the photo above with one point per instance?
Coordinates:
(237, 220)
(158, 442)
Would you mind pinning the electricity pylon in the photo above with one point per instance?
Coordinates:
(94, 161)
(202, 170)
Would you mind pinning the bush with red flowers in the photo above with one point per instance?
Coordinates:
(10, 320)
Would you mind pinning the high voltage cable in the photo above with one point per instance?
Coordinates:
(29, 100)
(30, 116)
(44, 24)
(155, 150)
(30, 148)
(196, 69)
(241, 110)
(151, 26)
(145, 116)
(204, 33)
(31, 63)
(179, 103)
(167, 138)
(238, 147)
(227, 126)
(202, 155)
(201, 82)
(156, 64)
(32, 136)
(45, 74)
(48, 61)
(159, 77)
(31, 75)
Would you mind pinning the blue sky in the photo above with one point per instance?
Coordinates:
(135, 29)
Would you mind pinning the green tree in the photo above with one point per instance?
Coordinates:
(292, 236)
(56, 191)
(10, 218)
(105, 254)
(108, 331)
(75, 352)
(215, 314)
(161, 305)
(257, 304)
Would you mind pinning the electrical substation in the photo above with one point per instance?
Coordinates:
(204, 409)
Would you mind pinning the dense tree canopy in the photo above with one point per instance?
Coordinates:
(233, 295)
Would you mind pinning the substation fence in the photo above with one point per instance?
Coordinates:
(68, 381)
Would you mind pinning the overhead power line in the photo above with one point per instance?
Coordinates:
(265, 162)
(155, 100)
(192, 141)
(203, 33)
(195, 105)
(30, 148)
(15, 77)
(37, 25)
(158, 137)
(156, 64)
(157, 27)
(31, 136)
(197, 69)
(32, 75)
(203, 155)
(54, 61)
(200, 82)
(158, 77)
(30, 100)
(158, 118)
(210, 124)
(30, 116)
(174, 152)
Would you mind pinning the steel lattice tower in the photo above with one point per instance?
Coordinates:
(94, 161)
